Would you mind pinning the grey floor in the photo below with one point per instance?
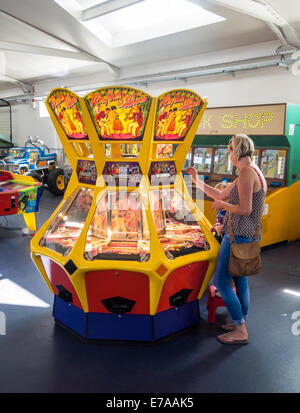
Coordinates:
(37, 356)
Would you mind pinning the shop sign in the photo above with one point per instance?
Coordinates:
(250, 120)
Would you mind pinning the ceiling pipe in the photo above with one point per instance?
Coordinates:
(230, 68)
(27, 88)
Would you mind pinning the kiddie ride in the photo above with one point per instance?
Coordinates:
(19, 194)
(35, 161)
(127, 253)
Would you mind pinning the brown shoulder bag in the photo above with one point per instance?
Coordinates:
(244, 258)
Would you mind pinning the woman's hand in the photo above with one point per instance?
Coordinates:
(219, 205)
(192, 171)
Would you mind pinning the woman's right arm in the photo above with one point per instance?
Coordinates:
(207, 189)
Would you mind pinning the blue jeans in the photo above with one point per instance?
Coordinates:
(237, 304)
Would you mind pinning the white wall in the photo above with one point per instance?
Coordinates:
(26, 121)
(262, 86)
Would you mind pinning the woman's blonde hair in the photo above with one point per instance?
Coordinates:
(242, 146)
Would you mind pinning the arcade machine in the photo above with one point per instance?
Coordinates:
(275, 130)
(127, 254)
(19, 194)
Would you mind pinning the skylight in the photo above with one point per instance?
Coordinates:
(144, 20)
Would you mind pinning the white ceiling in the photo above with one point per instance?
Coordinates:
(27, 26)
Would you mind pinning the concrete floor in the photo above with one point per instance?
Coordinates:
(37, 356)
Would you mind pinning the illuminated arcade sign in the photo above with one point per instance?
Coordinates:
(251, 120)
(67, 110)
(176, 111)
(119, 113)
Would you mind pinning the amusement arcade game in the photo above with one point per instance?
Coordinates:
(19, 195)
(275, 131)
(127, 253)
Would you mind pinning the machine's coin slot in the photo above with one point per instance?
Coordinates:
(13, 202)
(180, 297)
(64, 294)
(118, 305)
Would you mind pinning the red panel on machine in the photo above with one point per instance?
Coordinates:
(9, 203)
(59, 277)
(102, 285)
(189, 277)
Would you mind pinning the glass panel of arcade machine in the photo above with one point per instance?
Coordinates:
(255, 157)
(125, 150)
(119, 229)
(165, 150)
(222, 163)
(66, 227)
(202, 159)
(223, 167)
(273, 163)
(178, 231)
(130, 150)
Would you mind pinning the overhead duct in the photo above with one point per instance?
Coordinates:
(284, 60)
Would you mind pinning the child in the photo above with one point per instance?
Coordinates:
(218, 226)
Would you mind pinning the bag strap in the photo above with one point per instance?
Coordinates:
(259, 225)
(229, 226)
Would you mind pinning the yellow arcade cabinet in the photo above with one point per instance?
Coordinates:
(127, 254)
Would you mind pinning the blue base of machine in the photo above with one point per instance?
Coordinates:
(125, 327)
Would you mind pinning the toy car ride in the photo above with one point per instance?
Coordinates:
(38, 162)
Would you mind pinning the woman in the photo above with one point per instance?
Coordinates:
(246, 198)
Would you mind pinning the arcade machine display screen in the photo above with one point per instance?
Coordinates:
(66, 227)
(122, 173)
(222, 167)
(130, 150)
(165, 150)
(178, 231)
(126, 150)
(255, 157)
(119, 229)
(222, 164)
(273, 165)
(162, 173)
(203, 160)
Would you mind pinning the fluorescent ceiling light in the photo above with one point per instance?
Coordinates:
(292, 292)
(11, 293)
(142, 21)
